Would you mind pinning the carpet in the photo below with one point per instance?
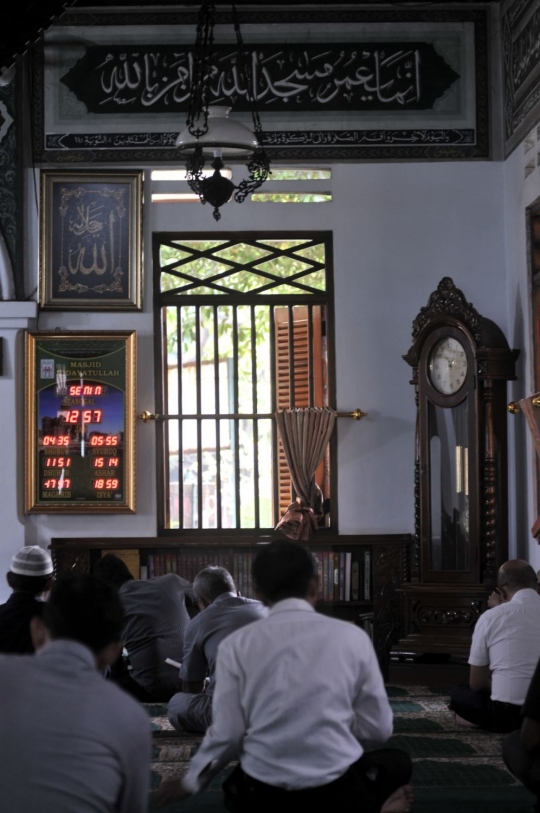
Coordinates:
(456, 770)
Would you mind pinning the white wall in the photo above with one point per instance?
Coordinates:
(398, 229)
(520, 192)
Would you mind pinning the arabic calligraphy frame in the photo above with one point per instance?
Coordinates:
(119, 194)
(158, 148)
(521, 88)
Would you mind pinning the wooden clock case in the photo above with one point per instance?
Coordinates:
(442, 603)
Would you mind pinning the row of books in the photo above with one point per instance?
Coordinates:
(188, 565)
(344, 575)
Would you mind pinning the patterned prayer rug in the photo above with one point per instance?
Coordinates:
(456, 770)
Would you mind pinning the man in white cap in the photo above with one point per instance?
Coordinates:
(30, 576)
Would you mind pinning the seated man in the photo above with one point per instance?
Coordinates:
(30, 576)
(70, 740)
(222, 612)
(155, 619)
(521, 749)
(504, 652)
(298, 698)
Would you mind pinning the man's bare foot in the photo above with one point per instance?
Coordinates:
(463, 723)
(400, 801)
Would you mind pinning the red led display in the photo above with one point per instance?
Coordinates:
(53, 483)
(82, 416)
(105, 483)
(56, 440)
(104, 440)
(57, 462)
(87, 389)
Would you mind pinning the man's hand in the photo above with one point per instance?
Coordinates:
(170, 790)
(495, 599)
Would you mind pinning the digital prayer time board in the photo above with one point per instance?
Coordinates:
(80, 422)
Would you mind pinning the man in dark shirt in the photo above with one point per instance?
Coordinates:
(521, 749)
(222, 612)
(155, 618)
(30, 576)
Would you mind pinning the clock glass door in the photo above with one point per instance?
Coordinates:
(448, 437)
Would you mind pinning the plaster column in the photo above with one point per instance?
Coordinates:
(15, 317)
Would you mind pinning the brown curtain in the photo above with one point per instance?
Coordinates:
(304, 434)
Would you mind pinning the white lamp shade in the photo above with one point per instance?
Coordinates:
(229, 137)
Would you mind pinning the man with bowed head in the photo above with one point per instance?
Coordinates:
(505, 649)
(298, 698)
(70, 741)
(30, 576)
(222, 612)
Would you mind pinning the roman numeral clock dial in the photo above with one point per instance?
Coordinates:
(448, 366)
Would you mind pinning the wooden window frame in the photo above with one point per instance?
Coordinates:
(163, 299)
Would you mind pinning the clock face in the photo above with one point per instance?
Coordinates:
(448, 366)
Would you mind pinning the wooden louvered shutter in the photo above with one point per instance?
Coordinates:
(299, 397)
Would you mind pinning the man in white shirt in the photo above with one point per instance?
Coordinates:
(504, 652)
(69, 739)
(298, 698)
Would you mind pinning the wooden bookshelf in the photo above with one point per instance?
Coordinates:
(388, 556)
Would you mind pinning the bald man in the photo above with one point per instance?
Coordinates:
(504, 653)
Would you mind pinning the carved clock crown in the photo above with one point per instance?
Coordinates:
(449, 300)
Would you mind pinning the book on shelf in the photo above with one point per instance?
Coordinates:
(344, 575)
(367, 575)
(347, 592)
(336, 576)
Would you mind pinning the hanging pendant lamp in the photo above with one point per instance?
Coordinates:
(210, 135)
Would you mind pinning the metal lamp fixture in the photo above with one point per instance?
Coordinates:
(210, 134)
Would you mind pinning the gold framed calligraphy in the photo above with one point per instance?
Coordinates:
(91, 240)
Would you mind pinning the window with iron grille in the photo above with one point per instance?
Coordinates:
(242, 329)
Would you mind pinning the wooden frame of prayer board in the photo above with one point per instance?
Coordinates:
(80, 422)
(91, 240)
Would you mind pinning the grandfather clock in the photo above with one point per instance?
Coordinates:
(461, 363)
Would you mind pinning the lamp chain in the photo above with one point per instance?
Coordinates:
(202, 63)
(247, 76)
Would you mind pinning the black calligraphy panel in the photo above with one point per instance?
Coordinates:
(299, 77)
(521, 44)
(90, 241)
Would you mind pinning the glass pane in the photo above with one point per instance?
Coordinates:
(169, 255)
(243, 281)
(264, 380)
(189, 356)
(171, 333)
(266, 484)
(242, 253)
(315, 280)
(190, 472)
(315, 253)
(228, 481)
(203, 290)
(174, 473)
(169, 282)
(305, 174)
(200, 245)
(283, 244)
(284, 266)
(449, 476)
(208, 371)
(247, 489)
(291, 197)
(285, 289)
(245, 377)
(209, 495)
(204, 267)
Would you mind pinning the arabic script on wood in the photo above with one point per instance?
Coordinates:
(298, 77)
